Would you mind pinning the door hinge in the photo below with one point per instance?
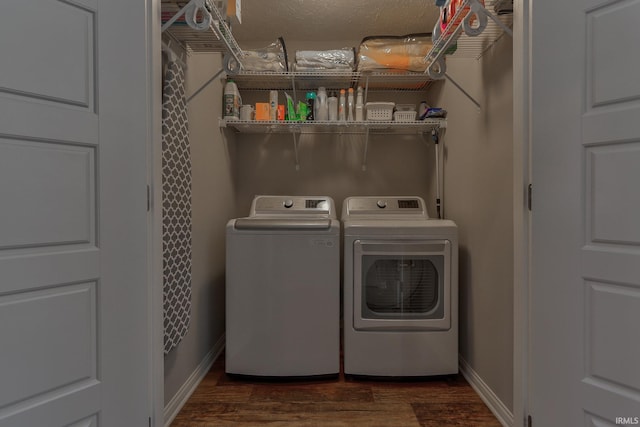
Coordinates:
(148, 198)
(529, 421)
(529, 191)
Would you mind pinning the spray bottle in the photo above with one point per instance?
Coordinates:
(350, 105)
(359, 106)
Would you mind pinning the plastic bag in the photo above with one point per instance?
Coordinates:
(394, 53)
(337, 59)
(269, 58)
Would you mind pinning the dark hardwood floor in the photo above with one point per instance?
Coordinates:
(226, 401)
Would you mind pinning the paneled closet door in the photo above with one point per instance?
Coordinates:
(73, 220)
(585, 290)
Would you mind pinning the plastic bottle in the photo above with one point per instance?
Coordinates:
(273, 105)
(350, 105)
(231, 101)
(333, 107)
(311, 99)
(359, 106)
(342, 107)
(322, 108)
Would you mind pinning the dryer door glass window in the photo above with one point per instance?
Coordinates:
(402, 286)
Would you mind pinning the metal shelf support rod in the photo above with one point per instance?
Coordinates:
(207, 83)
(296, 137)
(461, 89)
(366, 148)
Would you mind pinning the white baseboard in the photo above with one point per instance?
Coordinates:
(487, 395)
(177, 402)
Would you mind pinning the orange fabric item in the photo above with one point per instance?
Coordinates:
(394, 53)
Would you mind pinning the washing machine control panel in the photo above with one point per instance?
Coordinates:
(287, 205)
(386, 206)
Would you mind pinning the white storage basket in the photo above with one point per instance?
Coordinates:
(380, 111)
(404, 116)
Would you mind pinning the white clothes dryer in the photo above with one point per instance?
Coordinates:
(283, 289)
(400, 289)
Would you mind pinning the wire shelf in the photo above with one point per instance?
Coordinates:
(468, 46)
(313, 127)
(475, 47)
(332, 80)
(216, 38)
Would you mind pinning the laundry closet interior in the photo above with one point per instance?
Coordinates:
(461, 165)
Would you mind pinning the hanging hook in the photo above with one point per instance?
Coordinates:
(191, 15)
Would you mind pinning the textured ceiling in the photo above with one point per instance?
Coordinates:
(328, 20)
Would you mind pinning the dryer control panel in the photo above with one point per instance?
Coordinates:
(412, 206)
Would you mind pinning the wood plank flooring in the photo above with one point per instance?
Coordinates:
(224, 401)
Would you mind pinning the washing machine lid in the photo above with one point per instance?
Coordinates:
(270, 207)
(298, 224)
(384, 207)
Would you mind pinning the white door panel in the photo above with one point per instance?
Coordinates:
(585, 291)
(73, 216)
(59, 352)
(613, 199)
(56, 180)
(58, 63)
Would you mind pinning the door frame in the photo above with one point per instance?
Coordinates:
(521, 223)
(154, 220)
(521, 213)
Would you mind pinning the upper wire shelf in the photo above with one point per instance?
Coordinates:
(475, 47)
(473, 29)
(199, 26)
(333, 80)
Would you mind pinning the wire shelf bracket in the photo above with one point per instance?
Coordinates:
(470, 20)
(204, 16)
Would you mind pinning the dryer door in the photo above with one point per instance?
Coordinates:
(402, 285)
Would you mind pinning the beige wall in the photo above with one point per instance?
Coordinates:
(213, 204)
(331, 165)
(478, 188)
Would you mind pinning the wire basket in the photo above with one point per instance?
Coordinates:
(380, 111)
(404, 116)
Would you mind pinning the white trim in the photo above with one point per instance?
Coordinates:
(521, 214)
(499, 409)
(180, 398)
(154, 216)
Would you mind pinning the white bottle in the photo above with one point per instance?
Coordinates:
(321, 107)
(350, 105)
(333, 107)
(273, 105)
(359, 106)
(231, 100)
(342, 107)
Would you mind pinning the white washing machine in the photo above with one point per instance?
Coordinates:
(283, 289)
(400, 289)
